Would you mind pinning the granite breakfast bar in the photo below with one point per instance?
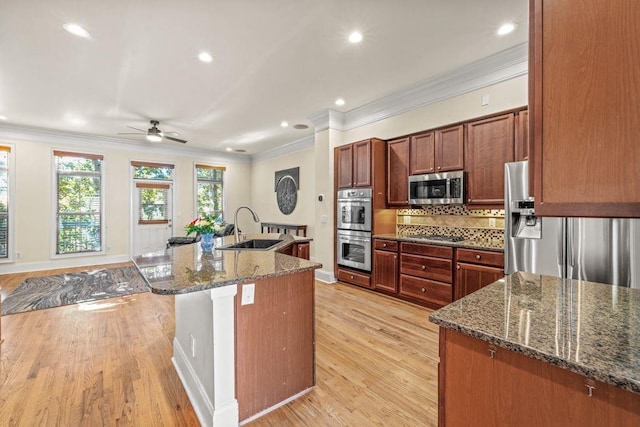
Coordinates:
(539, 350)
(244, 325)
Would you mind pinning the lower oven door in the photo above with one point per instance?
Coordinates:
(354, 249)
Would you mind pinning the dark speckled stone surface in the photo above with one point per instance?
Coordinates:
(589, 328)
(185, 269)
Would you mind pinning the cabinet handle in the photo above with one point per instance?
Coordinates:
(423, 290)
(591, 388)
(478, 257)
(492, 352)
(458, 267)
(424, 267)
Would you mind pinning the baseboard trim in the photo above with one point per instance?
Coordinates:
(195, 390)
(325, 276)
(22, 267)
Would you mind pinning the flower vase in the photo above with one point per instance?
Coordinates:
(206, 242)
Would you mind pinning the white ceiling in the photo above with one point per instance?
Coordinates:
(274, 60)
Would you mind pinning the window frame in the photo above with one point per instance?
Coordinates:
(11, 176)
(198, 165)
(54, 204)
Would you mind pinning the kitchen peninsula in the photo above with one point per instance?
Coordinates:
(539, 350)
(244, 333)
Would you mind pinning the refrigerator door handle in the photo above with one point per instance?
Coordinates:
(570, 225)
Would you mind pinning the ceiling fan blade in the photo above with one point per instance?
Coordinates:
(137, 129)
(175, 139)
(174, 134)
(128, 133)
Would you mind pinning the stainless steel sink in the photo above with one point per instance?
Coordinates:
(253, 244)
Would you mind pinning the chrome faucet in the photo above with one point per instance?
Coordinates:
(235, 221)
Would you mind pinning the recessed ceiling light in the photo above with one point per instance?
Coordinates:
(355, 37)
(301, 126)
(284, 124)
(229, 149)
(3, 117)
(205, 57)
(506, 28)
(339, 101)
(76, 30)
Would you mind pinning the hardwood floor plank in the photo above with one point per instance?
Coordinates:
(109, 363)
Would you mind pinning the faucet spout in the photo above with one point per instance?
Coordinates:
(235, 221)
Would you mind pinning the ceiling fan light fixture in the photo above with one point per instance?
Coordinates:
(76, 30)
(154, 137)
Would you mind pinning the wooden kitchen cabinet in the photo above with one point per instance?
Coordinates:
(398, 172)
(385, 266)
(303, 250)
(449, 154)
(426, 274)
(584, 88)
(362, 164)
(476, 269)
(489, 145)
(355, 163)
(478, 379)
(344, 164)
(422, 153)
(522, 136)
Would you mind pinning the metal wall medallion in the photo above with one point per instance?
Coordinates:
(287, 189)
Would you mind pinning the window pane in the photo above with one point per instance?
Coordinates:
(145, 172)
(4, 159)
(209, 174)
(210, 198)
(4, 204)
(4, 235)
(153, 204)
(79, 207)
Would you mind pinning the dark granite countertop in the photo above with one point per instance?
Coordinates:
(185, 269)
(487, 245)
(589, 328)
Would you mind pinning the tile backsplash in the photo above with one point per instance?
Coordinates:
(482, 225)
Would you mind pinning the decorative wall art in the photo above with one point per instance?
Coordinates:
(286, 187)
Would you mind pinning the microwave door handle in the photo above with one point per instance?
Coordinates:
(448, 189)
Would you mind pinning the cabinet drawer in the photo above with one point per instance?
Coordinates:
(495, 259)
(385, 245)
(428, 250)
(436, 293)
(354, 278)
(428, 267)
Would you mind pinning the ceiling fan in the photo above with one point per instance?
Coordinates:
(154, 134)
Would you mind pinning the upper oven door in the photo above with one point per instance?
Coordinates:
(354, 215)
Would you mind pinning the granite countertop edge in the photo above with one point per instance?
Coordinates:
(464, 244)
(236, 281)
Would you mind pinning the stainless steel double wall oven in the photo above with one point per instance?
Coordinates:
(354, 218)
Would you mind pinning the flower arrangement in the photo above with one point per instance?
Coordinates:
(206, 224)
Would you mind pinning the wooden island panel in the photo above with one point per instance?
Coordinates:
(274, 342)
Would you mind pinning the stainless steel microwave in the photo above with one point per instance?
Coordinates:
(446, 188)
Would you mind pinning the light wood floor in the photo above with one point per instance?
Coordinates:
(108, 363)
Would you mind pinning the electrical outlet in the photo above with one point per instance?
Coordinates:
(193, 346)
(18, 254)
(406, 220)
(248, 292)
(492, 222)
(324, 219)
(484, 100)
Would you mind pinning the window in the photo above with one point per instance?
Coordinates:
(4, 201)
(79, 202)
(154, 203)
(154, 171)
(209, 190)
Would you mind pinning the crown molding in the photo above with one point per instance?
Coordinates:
(283, 150)
(502, 66)
(13, 132)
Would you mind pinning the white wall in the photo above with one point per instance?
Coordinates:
(34, 205)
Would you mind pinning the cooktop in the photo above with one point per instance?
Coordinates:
(439, 237)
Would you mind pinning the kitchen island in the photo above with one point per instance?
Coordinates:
(244, 333)
(538, 350)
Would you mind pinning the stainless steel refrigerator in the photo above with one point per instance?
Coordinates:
(604, 250)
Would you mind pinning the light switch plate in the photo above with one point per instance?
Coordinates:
(248, 292)
(324, 219)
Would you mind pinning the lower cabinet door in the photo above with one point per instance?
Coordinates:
(385, 271)
(434, 294)
(471, 277)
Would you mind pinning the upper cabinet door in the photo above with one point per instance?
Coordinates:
(398, 172)
(450, 149)
(345, 166)
(422, 153)
(522, 136)
(362, 164)
(584, 104)
(489, 147)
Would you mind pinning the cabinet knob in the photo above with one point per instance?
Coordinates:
(458, 267)
(438, 167)
(384, 245)
(423, 290)
(478, 257)
(492, 352)
(352, 277)
(590, 388)
(395, 257)
(424, 267)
